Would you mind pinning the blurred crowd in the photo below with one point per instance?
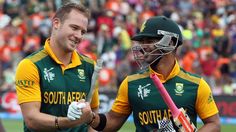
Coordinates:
(208, 27)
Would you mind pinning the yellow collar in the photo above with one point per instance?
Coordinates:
(173, 73)
(75, 59)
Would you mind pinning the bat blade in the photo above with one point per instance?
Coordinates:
(97, 69)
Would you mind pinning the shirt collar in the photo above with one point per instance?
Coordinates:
(173, 73)
(75, 58)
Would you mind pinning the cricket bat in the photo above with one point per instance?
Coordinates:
(180, 117)
(97, 69)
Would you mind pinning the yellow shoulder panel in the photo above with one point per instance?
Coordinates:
(27, 82)
(138, 76)
(189, 77)
(38, 56)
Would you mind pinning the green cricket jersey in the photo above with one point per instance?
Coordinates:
(139, 95)
(41, 77)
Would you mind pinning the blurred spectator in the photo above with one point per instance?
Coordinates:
(232, 67)
(208, 69)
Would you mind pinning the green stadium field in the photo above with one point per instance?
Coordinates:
(16, 126)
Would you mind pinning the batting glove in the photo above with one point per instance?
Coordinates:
(75, 110)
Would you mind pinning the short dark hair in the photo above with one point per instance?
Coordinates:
(63, 11)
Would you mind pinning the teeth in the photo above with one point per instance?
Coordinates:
(75, 42)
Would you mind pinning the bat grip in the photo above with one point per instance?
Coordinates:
(165, 95)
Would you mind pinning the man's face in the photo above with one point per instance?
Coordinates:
(149, 48)
(71, 31)
(145, 52)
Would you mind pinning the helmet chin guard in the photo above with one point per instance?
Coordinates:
(162, 47)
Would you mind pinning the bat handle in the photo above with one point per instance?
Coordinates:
(184, 123)
(165, 95)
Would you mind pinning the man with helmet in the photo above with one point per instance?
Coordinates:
(155, 51)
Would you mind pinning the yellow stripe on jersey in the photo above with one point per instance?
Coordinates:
(87, 59)
(138, 76)
(189, 77)
(121, 104)
(38, 56)
(205, 104)
(27, 72)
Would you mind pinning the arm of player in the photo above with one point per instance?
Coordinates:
(1, 127)
(114, 121)
(207, 109)
(36, 120)
(211, 124)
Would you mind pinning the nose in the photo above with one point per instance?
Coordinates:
(78, 34)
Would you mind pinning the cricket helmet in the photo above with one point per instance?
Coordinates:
(167, 34)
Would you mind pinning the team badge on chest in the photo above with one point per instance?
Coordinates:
(81, 74)
(179, 89)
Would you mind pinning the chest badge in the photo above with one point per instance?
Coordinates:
(143, 91)
(81, 74)
(179, 89)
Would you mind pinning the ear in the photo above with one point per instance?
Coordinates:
(56, 23)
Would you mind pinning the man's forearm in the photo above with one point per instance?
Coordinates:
(1, 127)
(210, 127)
(45, 122)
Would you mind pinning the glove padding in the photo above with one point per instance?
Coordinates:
(75, 110)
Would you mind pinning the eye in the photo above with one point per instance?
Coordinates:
(83, 32)
(74, 28)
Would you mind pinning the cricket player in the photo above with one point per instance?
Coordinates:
(56, 75)
(155, 51)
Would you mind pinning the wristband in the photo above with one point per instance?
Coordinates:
(93, 119)
(57, 124)
(102, 122)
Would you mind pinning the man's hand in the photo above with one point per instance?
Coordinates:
(75, 110)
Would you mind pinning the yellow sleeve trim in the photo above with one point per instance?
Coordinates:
(205, 104)
(121, 104)
(27, 82)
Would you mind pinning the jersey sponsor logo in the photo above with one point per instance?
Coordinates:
(143, 91)
(48, 74)
(24, 83)
(210, 98)
(81, 74)
(60, 97)
(179, 89)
